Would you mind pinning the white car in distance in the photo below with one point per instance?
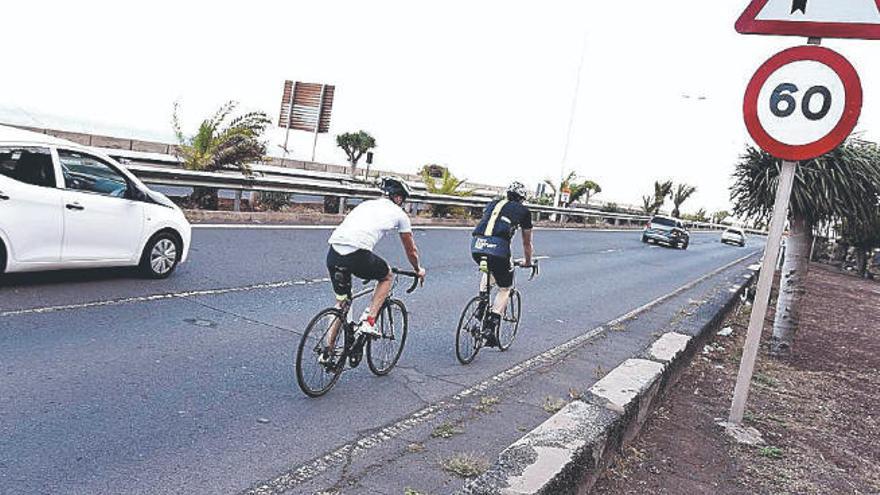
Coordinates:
(734, 235)
(67, 206)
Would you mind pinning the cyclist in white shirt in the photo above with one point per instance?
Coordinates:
(353, 241)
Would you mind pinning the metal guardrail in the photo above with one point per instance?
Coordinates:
(349, 188)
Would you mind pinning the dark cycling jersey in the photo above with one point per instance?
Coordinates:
(502, 218)
(499, 224)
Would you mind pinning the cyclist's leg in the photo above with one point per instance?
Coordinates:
(481, 259)
(368, 266)
(340, 278)
(502, 271)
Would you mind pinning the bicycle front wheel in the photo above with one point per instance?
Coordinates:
(509, 323)
(383, 352)
(323, 338)
(467, 337)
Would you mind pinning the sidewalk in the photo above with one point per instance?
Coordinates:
(817, 412)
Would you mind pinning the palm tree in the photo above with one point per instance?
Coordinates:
(577, 188)
(701, 215)
(648, 205)
(844, 183)
(446, 184)
(661, 191)
(680, 195)
(355, 144)
(864, 235)
(221, 142)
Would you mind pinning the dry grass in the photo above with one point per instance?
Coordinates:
(465, 465)
(553, 404)
(446, 430)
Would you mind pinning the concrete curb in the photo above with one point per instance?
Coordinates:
(568, 452)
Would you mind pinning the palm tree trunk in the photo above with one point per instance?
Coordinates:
(862, 262)
(791, 286)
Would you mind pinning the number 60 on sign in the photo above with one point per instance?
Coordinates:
(802, 103)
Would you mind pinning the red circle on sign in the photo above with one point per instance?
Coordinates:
(852, 106)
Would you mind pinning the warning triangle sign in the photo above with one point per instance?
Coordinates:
(812, 18)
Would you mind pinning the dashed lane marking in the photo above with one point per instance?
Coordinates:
(160, 297)
(300, 474)
(221, 226)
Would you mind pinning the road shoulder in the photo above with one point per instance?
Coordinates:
(817, 411)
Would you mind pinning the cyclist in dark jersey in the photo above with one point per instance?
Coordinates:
(491, 244)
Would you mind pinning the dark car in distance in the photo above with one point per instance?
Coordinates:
(666, 230)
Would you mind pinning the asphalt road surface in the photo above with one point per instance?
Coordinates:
(114, 384)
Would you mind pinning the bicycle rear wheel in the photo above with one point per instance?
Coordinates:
(383, 352)
(316, 378)
(509, 323)
(467, 337)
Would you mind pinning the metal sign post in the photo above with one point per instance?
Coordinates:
(762, 298)
(318, 120)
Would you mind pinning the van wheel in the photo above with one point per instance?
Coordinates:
(161, 256)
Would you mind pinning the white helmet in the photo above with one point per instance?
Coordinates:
(392, 186)
(517, 191)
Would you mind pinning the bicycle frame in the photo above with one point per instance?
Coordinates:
(352, 344)
(486, 279)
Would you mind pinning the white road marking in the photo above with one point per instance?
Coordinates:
(160, 297)
(305, 472)
(260, 226)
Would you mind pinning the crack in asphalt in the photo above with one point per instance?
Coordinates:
(439, 378)
(243, 317)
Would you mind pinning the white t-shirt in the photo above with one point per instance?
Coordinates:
(367, 223)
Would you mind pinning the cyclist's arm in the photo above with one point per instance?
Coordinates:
(528, 248)
(412, 251)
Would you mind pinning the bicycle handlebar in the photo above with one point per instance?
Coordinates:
(411, 274)
(520, 263)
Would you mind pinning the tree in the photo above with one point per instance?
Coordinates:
(700, 216)
(446, 184)
(844, 183)
(648, 205)
(720, 216)
(577, 188)
(221, 141)
(679, 196)
(864, 235)
(662, 190)
(355, 144)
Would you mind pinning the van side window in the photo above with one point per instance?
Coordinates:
(28, 165)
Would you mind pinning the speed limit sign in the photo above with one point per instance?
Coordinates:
(803, 102)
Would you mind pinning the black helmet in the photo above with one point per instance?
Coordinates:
(392, 186)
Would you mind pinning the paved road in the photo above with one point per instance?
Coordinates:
(115, 384)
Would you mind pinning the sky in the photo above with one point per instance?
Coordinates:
(485, 88)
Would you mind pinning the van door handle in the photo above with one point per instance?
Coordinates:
(75, 206)
(3, 197)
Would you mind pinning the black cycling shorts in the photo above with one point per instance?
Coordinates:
(362, 264)
(500, 268)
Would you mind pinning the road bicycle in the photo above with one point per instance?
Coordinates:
(331, 341)
(469, 337)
